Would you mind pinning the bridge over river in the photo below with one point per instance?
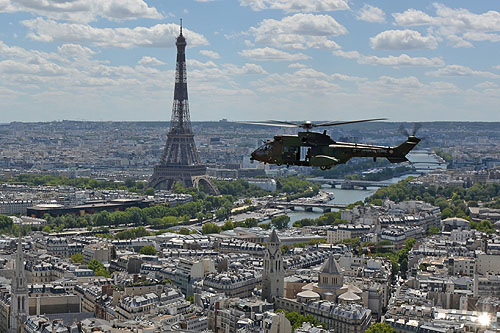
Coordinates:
(350, 184)
(307, 206)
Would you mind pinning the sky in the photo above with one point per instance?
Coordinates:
(114, 60)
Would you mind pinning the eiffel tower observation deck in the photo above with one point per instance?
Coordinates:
(180, 161)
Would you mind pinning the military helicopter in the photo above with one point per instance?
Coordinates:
(316, 149)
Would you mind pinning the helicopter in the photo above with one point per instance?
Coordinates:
(316, 149)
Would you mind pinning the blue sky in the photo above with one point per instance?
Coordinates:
(250, 59)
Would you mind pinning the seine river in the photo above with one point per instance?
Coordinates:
(424, 162)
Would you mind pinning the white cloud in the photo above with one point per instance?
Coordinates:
(289, 6)
(402, 60)
(482, 37)
(458, 70)
(36, 69)
(413, 17)
(245, 69)
(299, 31)
(196, 63)
(371, 14)
(402, 40)
(160, 35)
(456, 25)
(83, 10)
(75, 51)
(343, 77)
(394, 61)
(297, 65)
(487, 85)
(150, 61)
(348, 54)
(210, 54)
(270, 54)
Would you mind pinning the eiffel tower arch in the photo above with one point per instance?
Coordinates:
(180, 161)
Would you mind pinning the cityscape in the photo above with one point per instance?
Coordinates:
(369, 224)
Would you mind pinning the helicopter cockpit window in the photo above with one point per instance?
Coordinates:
(266, 146)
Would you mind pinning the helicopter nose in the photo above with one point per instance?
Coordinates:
(258, 155)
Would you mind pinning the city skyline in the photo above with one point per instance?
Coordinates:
(250, 60)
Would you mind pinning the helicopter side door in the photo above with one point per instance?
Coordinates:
(305, 153)
(290, 154)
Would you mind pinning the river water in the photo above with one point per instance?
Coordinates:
(423, 161)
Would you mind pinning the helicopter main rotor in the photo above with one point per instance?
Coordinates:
(307, 125)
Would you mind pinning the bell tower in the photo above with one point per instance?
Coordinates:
(273, 273)
(19, 302)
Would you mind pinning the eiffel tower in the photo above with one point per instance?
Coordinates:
(180, 162)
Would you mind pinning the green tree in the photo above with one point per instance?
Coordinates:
(148, 250)
(95, 264)
(380, 328)
(280, 222)
(149, 191)
(251, 222)
(101, 271)
(77, 258)
(229, 225)
(184, 231)
(433, 230)
(5, 222)
(210, 228)
(265, 226)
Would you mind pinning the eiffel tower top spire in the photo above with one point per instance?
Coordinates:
(180, 122)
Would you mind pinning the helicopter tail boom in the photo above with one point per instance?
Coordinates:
(400, 151)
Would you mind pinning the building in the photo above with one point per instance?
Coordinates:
(273, 273)
(330, 280)
(100, 251)
(233, 284)
(339, 317)
(340, 232)
(190, 271)
(19, 304)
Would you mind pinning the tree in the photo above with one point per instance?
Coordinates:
(101, 271)
(77, 258)
(280, 222)
(210, 228)
(265, 226)
(184, 231)
(148, 250)
(380, 328)
(251, 222)
(5, 222)
(149, 191)
(95, 264)
(130, 182)
(433, 231)
(229, 225)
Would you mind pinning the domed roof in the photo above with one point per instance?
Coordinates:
(308, 294)
(355, 289)
(349, 296)
(455, 219)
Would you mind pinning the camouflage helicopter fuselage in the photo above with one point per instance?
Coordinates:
(320, 150)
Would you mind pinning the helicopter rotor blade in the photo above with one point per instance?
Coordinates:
(284, 123)
(337, 123)
(416, 127)
(268, 124)
(403, 130)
